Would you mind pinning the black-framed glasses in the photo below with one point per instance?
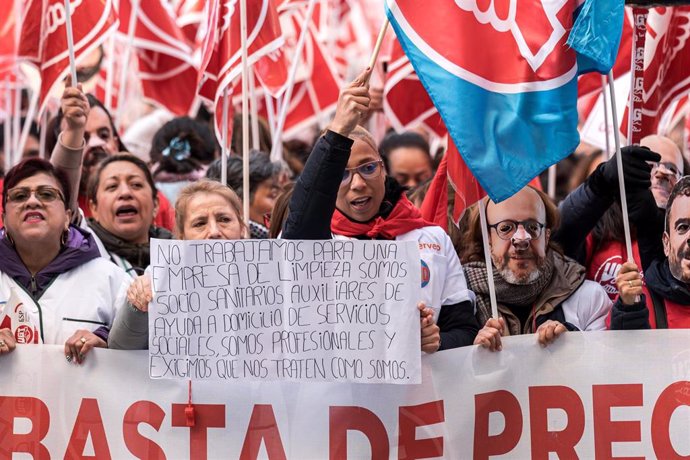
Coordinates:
(44, 194)
(505, 229)
(370, 170)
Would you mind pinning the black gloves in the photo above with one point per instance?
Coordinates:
(637, 172)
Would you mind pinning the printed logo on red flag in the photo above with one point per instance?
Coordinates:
(44, 35)
(532, 37)
(666, 64)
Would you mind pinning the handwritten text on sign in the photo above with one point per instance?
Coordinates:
(291, 310)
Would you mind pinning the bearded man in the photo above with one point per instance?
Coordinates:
(662, 299)
(538, 289)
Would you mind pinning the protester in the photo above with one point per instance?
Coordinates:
(407, 158)
(102, 140)
(122, 197)
(662, 298)
(68, 291)
(264, 186)
(124, 201)
(344, 191)
(205, 210)
(538, 290)
(181, 152)
(592, 230)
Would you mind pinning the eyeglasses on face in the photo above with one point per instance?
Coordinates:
(505, 229)
(44, 193)
(367, 171)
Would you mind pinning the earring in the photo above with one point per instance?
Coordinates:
(65, 237)
(9, 238)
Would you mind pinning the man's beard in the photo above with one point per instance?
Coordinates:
(675, 264)
(502, 265)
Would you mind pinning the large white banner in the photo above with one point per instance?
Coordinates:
(329, 310)
(589, 395)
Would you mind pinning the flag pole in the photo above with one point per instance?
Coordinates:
(42, 135)
(17, 120)
(7, 147)
(487, 256)
(254, 115)
(224, 148)
(109, 77)
(270, 110)
(609, 153)
(70, 43)
(245, 111)
(552, 182)
(277, 150)
(31, 113)
(636, 75)
(125, 60)
(377, 46)
(619, 163)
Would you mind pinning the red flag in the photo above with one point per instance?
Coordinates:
(405, 101)
(168, 75)
(189, 16)
(222, 54)
(666, 64)
(44, 36)
(317, 86)
(8, 47)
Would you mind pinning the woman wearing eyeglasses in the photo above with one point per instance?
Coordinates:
(344, 192)
(45, 264)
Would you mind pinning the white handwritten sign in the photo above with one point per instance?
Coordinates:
(291, 310)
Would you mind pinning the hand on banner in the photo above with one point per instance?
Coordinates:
(7, 342)
(353, 105)
(431, 334)
(75, 110)
(139, 293)
(548, 331)
(636, 171)
(629, 283)
(490, 335)
(80, 343)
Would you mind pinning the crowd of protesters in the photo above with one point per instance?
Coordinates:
(75, 243)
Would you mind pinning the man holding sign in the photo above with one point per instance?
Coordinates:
(344, 192)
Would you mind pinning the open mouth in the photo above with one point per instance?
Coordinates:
(33, 217)
(126, 211)
(360, 203)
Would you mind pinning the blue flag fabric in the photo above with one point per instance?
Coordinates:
(504, 77)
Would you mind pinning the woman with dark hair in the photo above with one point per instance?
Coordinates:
(344, 192)
(181, 152)
(121, 196)
(45, 263)
(124, 201)
(264, 186)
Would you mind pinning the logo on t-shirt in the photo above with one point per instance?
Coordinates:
(426, 274)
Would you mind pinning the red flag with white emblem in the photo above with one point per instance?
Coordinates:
(166, 68)
(44, 35)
